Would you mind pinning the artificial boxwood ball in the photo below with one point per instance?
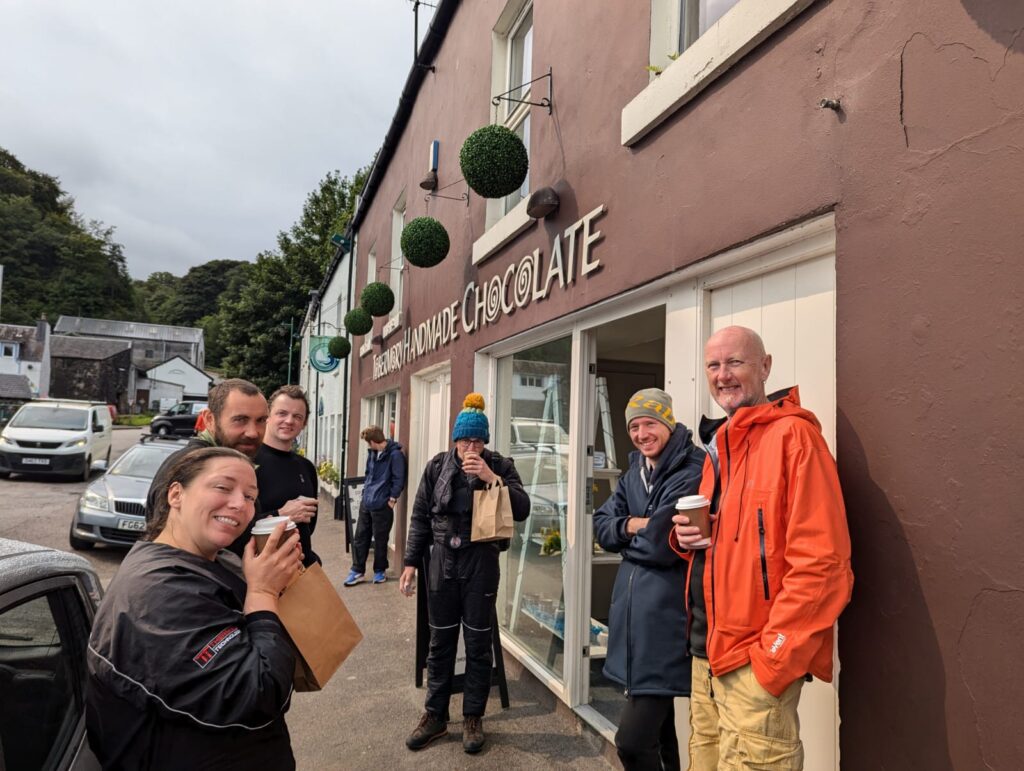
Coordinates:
(377, 299)
(358, 322)
(339, 347)
(425, 242)
(494, 161)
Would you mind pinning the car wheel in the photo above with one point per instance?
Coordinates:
(78, 544)
(163, 431)
(5, 474)
(87, 470)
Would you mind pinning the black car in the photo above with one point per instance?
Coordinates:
(179, 420)
(47, 602)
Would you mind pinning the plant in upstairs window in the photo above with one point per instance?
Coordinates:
(339, 347)
(494, 161)
(358, 322)
(377, 299)
(425, 242)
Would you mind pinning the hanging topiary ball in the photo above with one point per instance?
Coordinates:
(425, 242)
(494, 161)
(339, 347)
(377, 298)
(358, 322)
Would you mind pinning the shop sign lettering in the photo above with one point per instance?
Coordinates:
(530, 279)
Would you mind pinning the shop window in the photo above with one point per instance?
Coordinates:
(685, 60)
(380, 410)
(531, 426)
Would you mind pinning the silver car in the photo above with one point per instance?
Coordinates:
(47, 602)
(112, 509)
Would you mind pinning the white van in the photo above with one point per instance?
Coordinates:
(53, 436)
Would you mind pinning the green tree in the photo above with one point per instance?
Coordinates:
(55, 262)
(199, 290)
(254, 324)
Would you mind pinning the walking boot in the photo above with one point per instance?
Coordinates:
(431, 727)
(473, 734)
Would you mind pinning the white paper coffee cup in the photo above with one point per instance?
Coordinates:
(263, 528)
(698, 509)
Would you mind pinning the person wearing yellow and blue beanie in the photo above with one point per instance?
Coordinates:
(462, 577)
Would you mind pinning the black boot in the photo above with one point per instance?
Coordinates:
(431, 727)
(473, 734)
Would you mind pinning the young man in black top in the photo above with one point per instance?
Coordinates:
(287, 481)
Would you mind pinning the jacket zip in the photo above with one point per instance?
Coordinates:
(764, 559)
(629, 632)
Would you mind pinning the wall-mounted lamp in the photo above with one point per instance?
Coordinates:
(429, 182)
(542, 203)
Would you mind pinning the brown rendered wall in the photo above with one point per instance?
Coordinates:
(923, 169)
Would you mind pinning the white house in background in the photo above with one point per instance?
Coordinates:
(175, 378)
(25, 351)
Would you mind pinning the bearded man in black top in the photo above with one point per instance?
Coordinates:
(287, 481)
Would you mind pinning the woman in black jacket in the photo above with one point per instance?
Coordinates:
(463, 577)
(189, 666)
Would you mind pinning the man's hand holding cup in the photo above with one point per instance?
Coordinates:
(692, 522)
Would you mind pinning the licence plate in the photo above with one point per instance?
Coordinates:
(35, 461)
(131, 524)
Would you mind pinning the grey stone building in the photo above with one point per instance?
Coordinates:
(90, 368)
(152, 344)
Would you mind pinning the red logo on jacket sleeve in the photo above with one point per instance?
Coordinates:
(212, 648)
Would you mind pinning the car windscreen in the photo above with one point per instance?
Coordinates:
(44, 416)
(140, 462)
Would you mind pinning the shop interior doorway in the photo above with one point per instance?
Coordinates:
(629, 355)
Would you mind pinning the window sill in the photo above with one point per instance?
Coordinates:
(738, 32)
(501, 232)
(394, 322)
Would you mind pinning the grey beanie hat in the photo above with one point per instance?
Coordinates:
(651, 403)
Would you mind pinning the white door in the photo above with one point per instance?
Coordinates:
(430, 420)
(793, 309)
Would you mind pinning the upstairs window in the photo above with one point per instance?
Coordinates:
(696, 18)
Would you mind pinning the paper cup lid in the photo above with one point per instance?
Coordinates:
(266, 525)
(692, 502)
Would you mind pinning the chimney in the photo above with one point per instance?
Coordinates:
(42, 327)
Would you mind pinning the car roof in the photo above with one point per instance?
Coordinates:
(23, 563)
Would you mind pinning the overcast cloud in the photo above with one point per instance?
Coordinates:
(197, 129)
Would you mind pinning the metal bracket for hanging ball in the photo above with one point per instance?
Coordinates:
(545, 102)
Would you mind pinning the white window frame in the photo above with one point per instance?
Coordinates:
(741, 29)
(396, 266)
(502, 221)
(371, 276)
(9, 350)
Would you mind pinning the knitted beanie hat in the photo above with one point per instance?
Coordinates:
(471, 423)
(651, 403)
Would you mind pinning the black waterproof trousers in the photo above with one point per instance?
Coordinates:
(375, 523)
(646, 739)
(462, 592)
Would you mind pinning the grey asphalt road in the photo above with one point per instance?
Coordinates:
(361, 718)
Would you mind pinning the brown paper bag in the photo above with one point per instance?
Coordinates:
(320, 625)
(492, 513)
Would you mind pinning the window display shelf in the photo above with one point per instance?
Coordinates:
(557, 627)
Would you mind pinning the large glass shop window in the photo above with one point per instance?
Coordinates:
(532, 427)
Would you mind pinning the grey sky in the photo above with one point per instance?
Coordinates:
(198, 128)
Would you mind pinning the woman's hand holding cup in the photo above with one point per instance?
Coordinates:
(269, 572)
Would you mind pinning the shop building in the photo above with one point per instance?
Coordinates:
(842, 176)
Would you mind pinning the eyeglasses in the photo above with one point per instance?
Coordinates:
(467, 443)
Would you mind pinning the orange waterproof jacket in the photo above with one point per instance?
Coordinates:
(777, 574)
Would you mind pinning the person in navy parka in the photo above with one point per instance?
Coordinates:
(647, 620)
